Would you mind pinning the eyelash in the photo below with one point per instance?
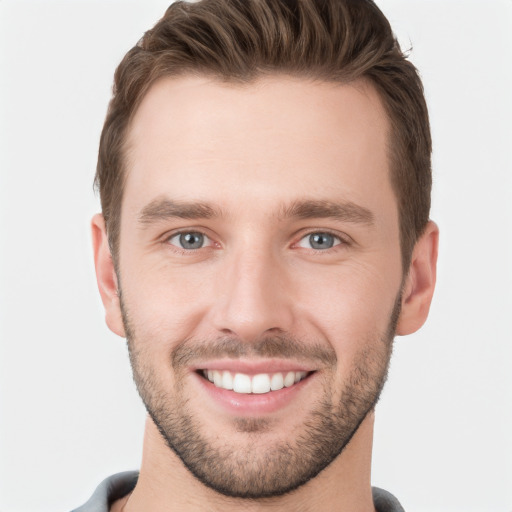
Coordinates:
(343, 241)
(181, 250)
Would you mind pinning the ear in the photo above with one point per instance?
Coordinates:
(106, 276)
(420, 282)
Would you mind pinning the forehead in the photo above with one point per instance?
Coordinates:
(269, 142)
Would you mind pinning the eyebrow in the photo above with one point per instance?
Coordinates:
(319, 209)
(163, 209)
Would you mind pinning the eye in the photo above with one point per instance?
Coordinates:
(319, 241)
(190, 240)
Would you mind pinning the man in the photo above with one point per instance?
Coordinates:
(264, 173)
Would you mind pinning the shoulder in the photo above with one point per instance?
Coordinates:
(384, 501)
(112, 488)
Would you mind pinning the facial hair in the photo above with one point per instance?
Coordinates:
(252, 471)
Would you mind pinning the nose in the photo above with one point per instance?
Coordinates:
(255, 298)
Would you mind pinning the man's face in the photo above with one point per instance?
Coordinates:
(259, 248)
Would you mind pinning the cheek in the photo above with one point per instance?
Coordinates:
(165, 302)
(350, 306)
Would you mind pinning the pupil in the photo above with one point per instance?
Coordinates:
(191, 240)
(321, 241)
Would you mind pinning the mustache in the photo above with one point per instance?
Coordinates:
(282, 346)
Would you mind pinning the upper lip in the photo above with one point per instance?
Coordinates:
(253, 367)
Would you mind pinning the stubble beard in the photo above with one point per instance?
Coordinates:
(257, 470)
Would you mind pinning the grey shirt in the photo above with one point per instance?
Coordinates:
(119, 485)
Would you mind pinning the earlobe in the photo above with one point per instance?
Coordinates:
(106, 275)
(420, 283)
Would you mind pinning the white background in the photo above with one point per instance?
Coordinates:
(69, 413)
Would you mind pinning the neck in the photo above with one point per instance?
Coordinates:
(165, 484)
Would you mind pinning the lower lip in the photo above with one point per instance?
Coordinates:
(253, 404)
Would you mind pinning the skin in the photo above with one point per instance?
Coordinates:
(251, 152)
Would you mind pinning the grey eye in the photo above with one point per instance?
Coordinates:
(189, 240)
(319, 241)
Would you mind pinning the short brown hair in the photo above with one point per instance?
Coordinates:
(241, 40)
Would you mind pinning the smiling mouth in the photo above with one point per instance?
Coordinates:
(253, 384)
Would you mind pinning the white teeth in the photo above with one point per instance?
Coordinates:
(242, 383)
(258, 384)
(227, 380)
(261, 383)
(299, 376)
(277, 382)
(217, 378)
(289, 380)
